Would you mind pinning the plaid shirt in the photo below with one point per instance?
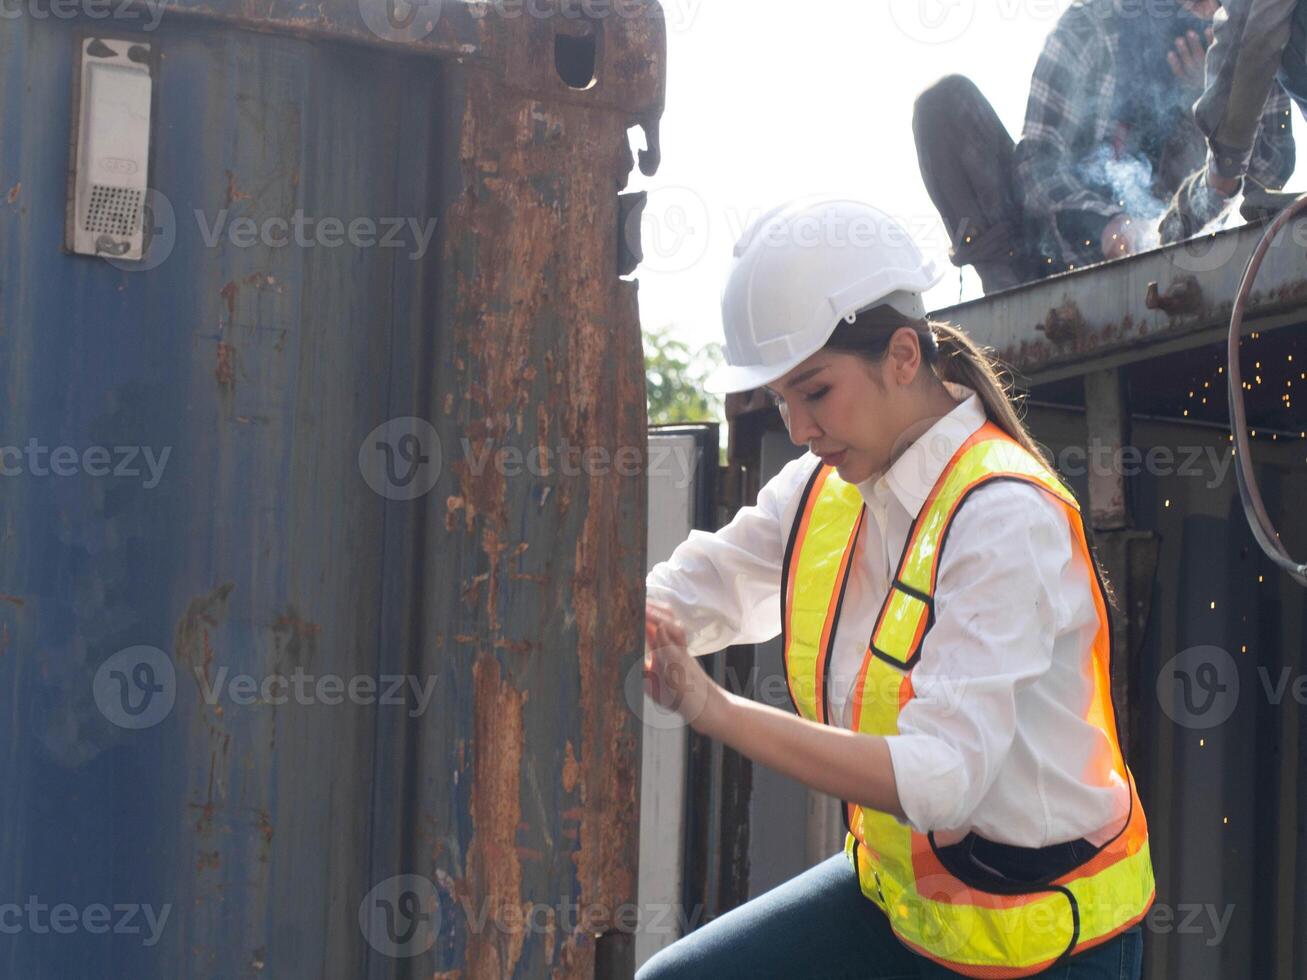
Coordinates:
(1069, 124)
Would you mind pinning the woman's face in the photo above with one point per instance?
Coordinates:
(848, 410)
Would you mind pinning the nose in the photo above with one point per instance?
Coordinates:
(799, 422)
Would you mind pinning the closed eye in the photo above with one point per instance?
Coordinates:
(815, 396)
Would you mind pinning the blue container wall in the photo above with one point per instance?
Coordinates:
(251, 376)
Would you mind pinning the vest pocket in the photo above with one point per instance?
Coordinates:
(996, 867)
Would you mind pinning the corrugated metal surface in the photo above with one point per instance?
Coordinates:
(507, 777)
(1102, 316)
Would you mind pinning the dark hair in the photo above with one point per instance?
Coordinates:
(951, 355)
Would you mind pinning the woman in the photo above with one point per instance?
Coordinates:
(945, 636)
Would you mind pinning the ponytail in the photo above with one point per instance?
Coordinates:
(962, 361)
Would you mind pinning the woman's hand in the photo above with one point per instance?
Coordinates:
(672, 677)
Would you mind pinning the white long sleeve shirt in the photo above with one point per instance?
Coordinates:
(995, 739)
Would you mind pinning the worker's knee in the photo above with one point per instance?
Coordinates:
(686, 959)
(951, 95)
(661, 967)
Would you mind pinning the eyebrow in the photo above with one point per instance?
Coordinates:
(803, 377)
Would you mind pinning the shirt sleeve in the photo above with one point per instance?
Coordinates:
(1193, 207)
(1249, 41)
(1274, 154)
(997, 612)
(725, 586)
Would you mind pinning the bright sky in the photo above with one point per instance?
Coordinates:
(771, 99)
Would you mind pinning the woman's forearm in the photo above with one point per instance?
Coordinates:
(847, 765)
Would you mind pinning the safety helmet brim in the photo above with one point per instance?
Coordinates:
(730, 378)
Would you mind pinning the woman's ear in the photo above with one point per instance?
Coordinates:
(904, 355)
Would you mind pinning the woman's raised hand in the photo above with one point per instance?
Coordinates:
(673, 678)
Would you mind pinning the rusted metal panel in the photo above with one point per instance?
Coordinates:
(508, 599)
(1174, 298)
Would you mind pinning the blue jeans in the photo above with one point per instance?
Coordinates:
(819, 926)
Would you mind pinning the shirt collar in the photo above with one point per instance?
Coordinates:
(914, 474)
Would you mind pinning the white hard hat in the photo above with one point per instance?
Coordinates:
(799, 270)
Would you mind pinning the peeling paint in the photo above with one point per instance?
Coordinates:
(494, 868)
(224, 371)
(203, 614)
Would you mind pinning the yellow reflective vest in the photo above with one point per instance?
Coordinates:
(972, 921)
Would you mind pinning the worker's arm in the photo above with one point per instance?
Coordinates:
(725, 586)
(1001, 598)
(1206, 193)
(1249, 37)
(845, 764)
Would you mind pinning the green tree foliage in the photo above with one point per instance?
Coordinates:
(674, 376)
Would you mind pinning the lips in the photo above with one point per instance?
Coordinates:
(835, 459)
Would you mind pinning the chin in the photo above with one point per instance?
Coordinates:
(851, 472)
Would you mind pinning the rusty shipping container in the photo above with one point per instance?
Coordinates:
(301, 678)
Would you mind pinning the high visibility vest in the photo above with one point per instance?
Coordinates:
(975, 924)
